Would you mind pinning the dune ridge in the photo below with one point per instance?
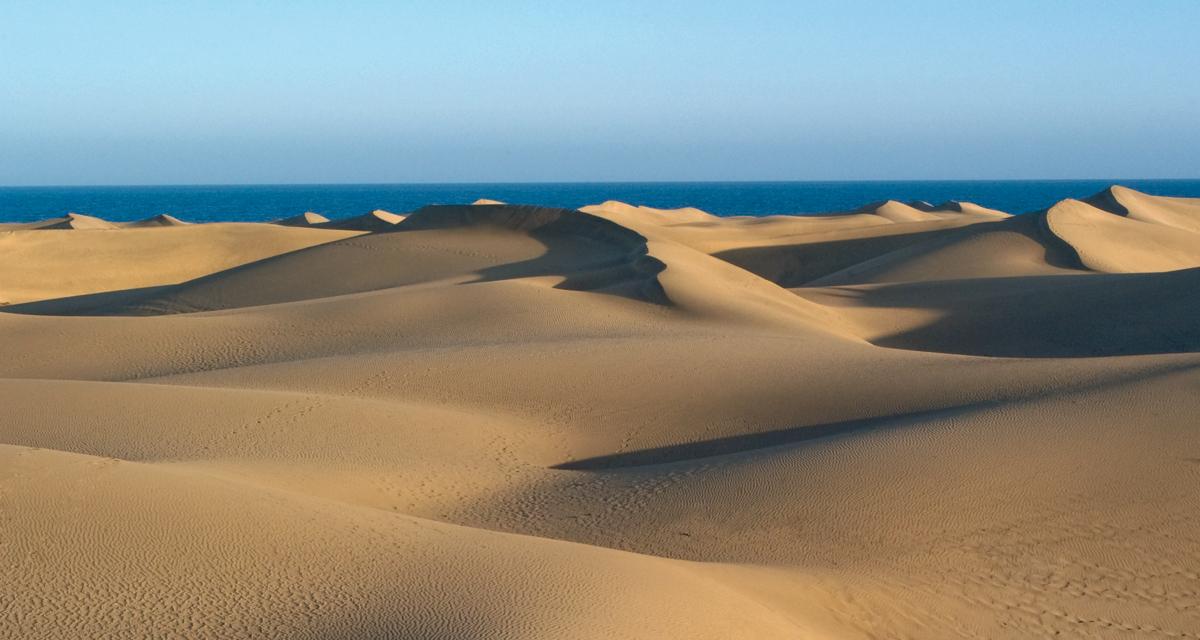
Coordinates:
(515, 421)
(377, 220)
(306, 219)
(1110, 242)
(160, 220)
(68, 221)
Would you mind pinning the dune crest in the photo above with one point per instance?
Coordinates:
(69, 221)
(1182, 213)
(160, 220)
(377, 220)
(1112, 243)
(896, 211)
(306, 219)
(631, 214)
(955, 206)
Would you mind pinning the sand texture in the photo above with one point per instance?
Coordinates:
(506, 421)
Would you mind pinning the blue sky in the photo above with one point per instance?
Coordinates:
(125, 92)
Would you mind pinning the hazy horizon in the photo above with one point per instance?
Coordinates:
(224, 93)
(586, 182)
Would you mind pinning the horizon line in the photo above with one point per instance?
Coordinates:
(575, 182)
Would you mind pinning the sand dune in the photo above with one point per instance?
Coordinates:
(1113, 243)
(630, 215)
(513, 421)
(377, 220)
(454, 244)
(1012, 246)
(896, 212)
(565, 249)
(69, 221)
(306, 219)
(1182, 213)
(955, 206)
(40, 266)
(161, 220)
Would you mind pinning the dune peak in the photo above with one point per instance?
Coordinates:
(375, 220)
(72, 220)
(306, 219)
(160, 220)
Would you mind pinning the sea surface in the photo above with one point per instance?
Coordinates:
(270, 202)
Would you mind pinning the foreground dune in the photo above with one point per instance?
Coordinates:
(527, 422)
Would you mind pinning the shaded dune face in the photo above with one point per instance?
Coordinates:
(947, 248)
(1131, 243)
(378, 220)
(589, 253)
(1028, 316)
(511, 421)
(453, 244)
(1182, 213)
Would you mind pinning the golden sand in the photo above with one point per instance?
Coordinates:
(498, 421)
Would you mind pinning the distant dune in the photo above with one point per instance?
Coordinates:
(69, 221)
(378, 220)
(511, 421)
(306, 219)
(161, 220)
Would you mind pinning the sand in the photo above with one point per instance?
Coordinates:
(377, 220)
(500, 421)
(306, 219)
(161, 220)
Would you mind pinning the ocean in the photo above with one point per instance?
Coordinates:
(270, 202)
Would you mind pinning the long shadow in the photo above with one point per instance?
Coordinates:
(794, 435)
(797, 265)
(762, 440)
(1050, 316)
(81, 304)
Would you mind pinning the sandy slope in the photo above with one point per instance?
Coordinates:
(1123, 244)
(173, 552)
(527, 422)
(1182, 213)
(39, 265)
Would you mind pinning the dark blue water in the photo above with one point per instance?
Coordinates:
(269, 202)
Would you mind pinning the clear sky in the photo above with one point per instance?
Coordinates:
(125, 92)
